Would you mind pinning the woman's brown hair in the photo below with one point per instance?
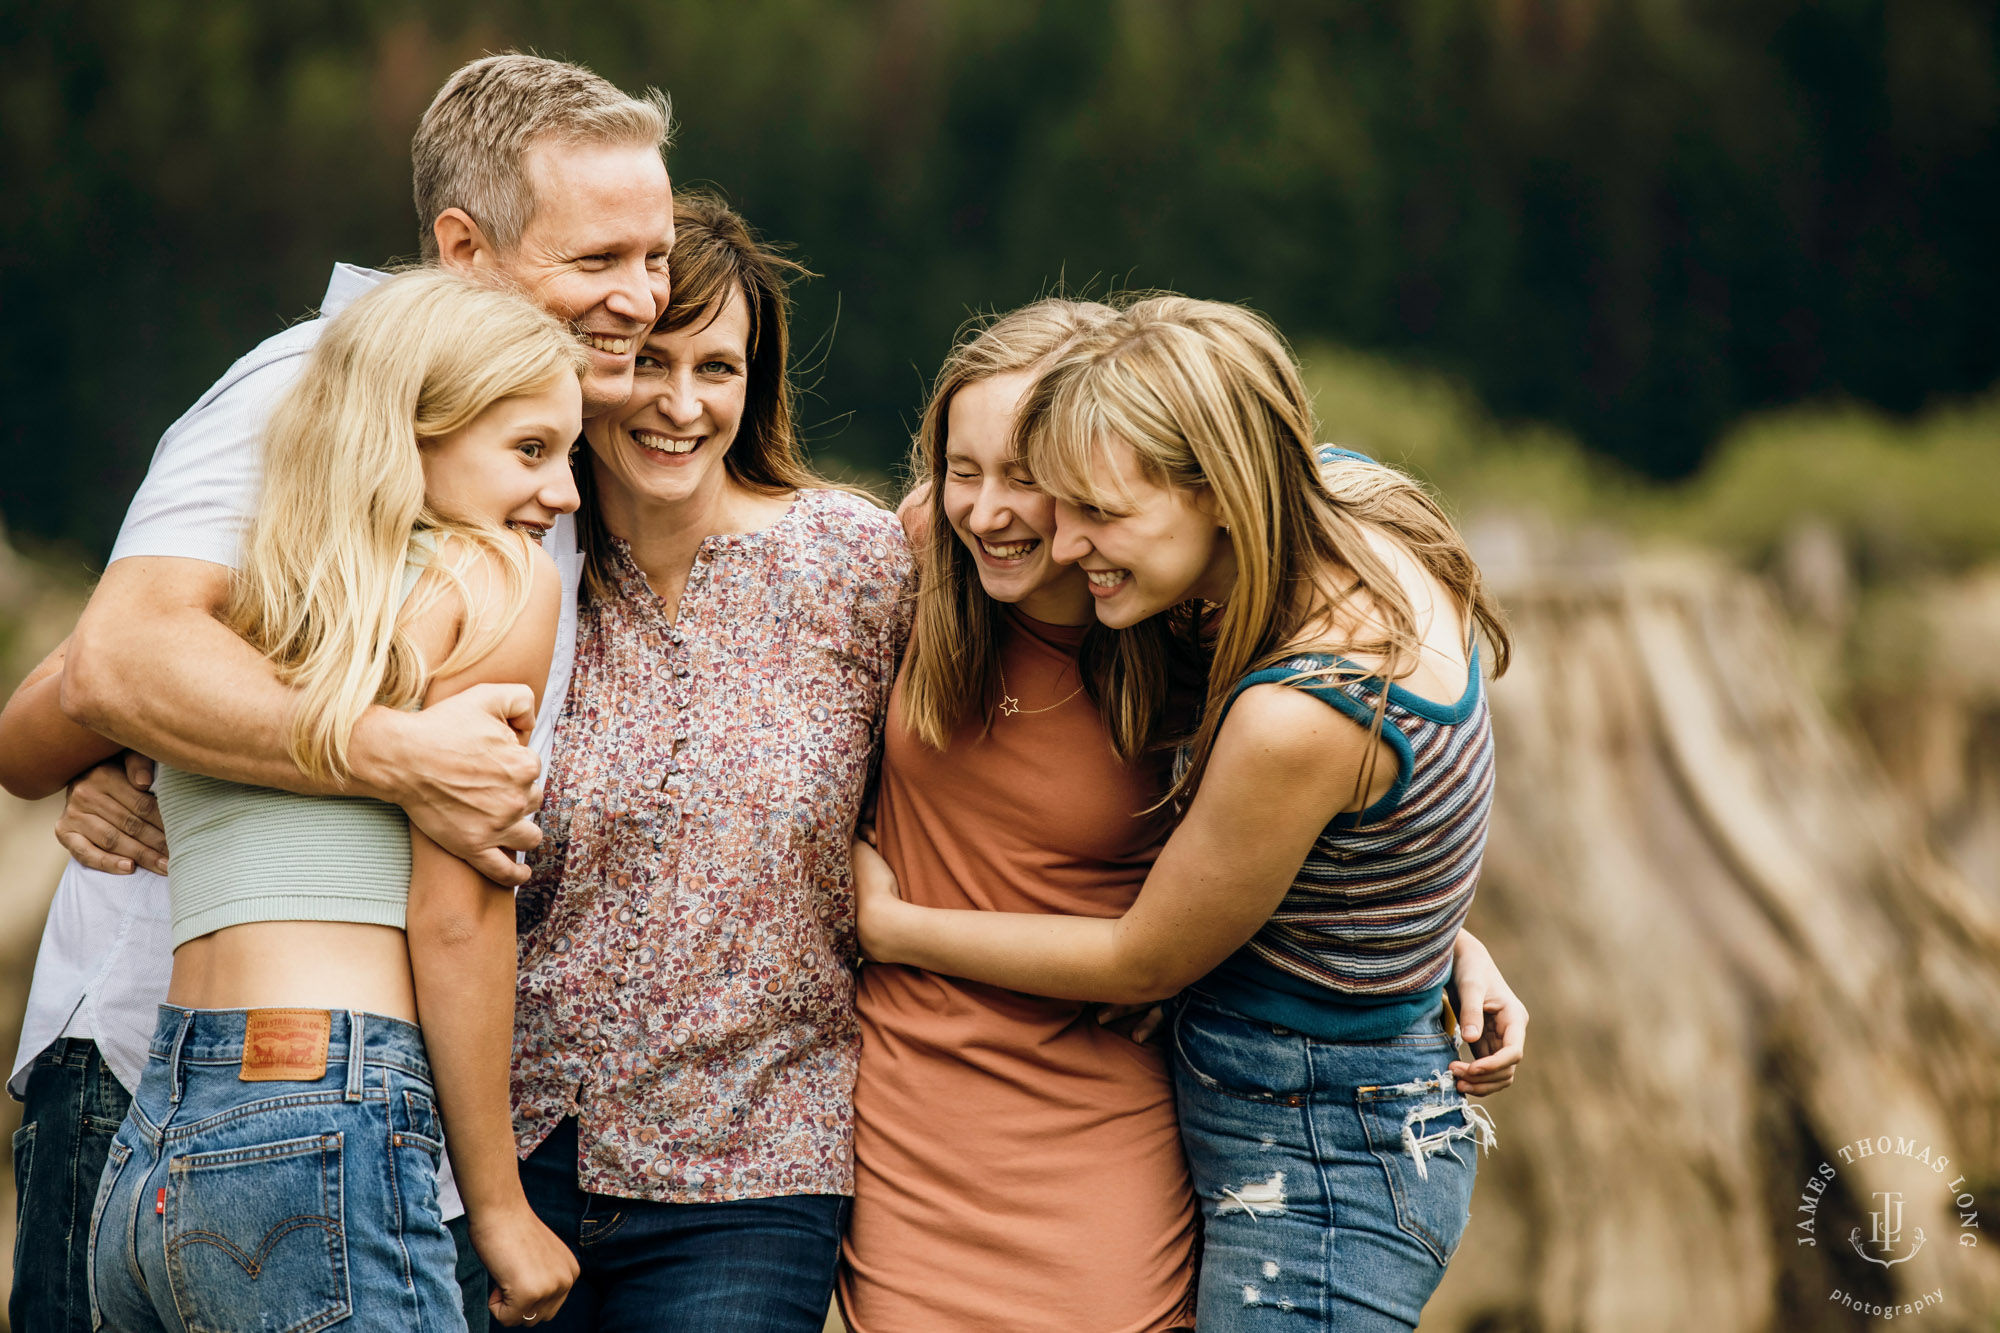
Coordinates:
(715, 254)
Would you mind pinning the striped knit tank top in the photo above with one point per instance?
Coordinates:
(1360, 948)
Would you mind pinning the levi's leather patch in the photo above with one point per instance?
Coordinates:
(285, 1045)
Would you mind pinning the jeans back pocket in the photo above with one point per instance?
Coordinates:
(255, 1237)
(1427, 1137)
(121, 1246)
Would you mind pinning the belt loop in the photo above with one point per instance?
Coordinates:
(354, 1043)
(174, 1056)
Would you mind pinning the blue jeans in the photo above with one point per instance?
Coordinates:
(229, 1205)
(1335, 1178)
(744, 1266)
(74, 1104)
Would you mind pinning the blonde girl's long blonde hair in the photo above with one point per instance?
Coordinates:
(1207, 396)
(320, 588)
(953, 669)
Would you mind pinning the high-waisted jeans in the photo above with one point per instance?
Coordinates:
(281, 1207)
(1335, 1178)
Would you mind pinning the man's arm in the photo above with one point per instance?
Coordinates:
(40, 749)
(152, 668)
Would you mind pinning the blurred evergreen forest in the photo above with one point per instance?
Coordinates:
(1636, 220)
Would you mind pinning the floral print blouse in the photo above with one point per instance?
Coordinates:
(687, 935)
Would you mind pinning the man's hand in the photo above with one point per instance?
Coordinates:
(462, 770)
(531, 1269)
(1491, 1020)
(110, 821)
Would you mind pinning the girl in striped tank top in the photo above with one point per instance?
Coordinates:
(1333, 803)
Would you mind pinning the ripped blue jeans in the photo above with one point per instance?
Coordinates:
(1335, 1178)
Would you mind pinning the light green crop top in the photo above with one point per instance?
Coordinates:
(238, 853)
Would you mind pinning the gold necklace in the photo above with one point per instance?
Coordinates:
(1010, 705)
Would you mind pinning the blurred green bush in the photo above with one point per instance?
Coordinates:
(1904, 495)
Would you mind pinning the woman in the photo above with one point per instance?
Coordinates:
(286, 1130)
(1017, 1164)
(1335, 810)
(685, 1044)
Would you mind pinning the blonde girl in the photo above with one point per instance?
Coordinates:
(1333, 805)
(280, 1164)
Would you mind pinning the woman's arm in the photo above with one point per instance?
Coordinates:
(40, 749)
(1284, 763)
(462, 959)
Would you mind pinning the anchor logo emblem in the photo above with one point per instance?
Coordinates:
(1887, 1232)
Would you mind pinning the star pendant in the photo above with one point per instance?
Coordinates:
(1009, 704)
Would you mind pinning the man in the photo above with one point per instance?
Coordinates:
(528, 171)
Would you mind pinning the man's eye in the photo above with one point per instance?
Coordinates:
(718, 368)
(644, 362)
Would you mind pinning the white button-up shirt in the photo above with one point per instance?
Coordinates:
(106, 952)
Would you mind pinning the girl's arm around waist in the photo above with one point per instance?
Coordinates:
(1283, 765)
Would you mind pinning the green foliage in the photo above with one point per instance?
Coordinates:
(1641, 221)
(1904, 495)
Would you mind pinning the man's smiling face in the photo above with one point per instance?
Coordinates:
(594, 252)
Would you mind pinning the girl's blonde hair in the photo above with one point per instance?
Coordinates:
(1207, 396)
(320, 588)
(954, 653)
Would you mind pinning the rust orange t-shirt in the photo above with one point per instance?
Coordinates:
(1017, 1165)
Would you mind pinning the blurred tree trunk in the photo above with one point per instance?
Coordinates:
(1742, 953)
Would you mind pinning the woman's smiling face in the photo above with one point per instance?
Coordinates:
(668, 443)
(992, 504)
(1145, 546)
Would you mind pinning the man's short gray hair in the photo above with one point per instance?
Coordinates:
(470, 144)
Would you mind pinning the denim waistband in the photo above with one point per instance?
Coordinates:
(1429, 1026)
(75, 1052)
(215, 1037)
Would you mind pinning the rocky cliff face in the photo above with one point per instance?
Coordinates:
(1763, 979)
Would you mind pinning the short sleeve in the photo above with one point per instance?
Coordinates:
(201, 487)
